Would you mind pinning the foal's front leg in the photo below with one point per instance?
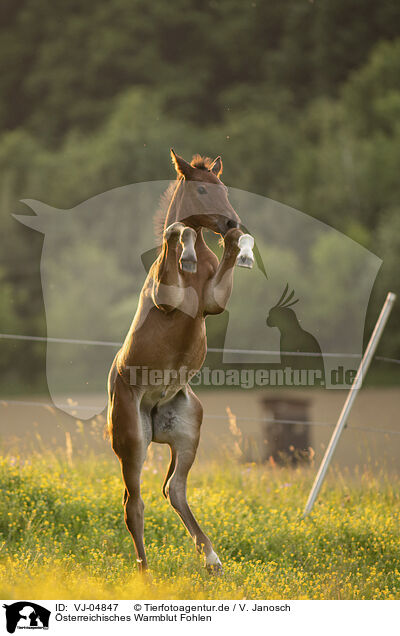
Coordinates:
(168, 291)
(237, 250)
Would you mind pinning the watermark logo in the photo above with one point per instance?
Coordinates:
(302, 307)
(239, 378)
(26, 615)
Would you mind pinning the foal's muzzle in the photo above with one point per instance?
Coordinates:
(228, 224)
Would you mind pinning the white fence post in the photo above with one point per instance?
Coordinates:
(355, 387)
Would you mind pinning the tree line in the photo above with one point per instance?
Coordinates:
(302, 100)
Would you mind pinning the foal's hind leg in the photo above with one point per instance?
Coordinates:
(178, 424)
(130, 436)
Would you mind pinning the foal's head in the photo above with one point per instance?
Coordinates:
(201, 199)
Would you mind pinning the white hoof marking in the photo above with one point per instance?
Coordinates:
(213, 560)
(245, 257)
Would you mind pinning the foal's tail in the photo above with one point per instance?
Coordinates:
(110, 389)
(106, 431)
(169, 474)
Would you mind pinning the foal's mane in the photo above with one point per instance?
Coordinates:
(202, 163)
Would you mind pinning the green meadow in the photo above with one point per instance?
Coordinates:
(62, 533)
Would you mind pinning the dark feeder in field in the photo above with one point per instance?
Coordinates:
(286, 436)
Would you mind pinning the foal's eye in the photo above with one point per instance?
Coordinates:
(201, 190)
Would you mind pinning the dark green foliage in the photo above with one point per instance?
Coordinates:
(302, 100)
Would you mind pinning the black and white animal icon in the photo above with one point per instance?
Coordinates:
(294, 340)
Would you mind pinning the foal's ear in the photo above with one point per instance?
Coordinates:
(216, 166)
(182, 167)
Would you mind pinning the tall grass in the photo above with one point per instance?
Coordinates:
(62, 533)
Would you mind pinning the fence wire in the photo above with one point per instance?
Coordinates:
(105, 343)
(102, 343)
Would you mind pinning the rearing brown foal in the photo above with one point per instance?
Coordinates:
(167, 341)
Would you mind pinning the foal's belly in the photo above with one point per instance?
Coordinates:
(173, 418)
(166, 351)
(155, 397)
(158, 360)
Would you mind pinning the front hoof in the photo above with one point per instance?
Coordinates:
(215, 569)
(189, 266)
(245, 257)
(245, 261)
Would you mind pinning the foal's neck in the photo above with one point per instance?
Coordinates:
(174, 206)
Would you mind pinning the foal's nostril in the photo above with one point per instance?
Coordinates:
(231, 223)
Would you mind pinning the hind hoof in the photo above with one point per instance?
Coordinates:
(215, 570)
(189, 266)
